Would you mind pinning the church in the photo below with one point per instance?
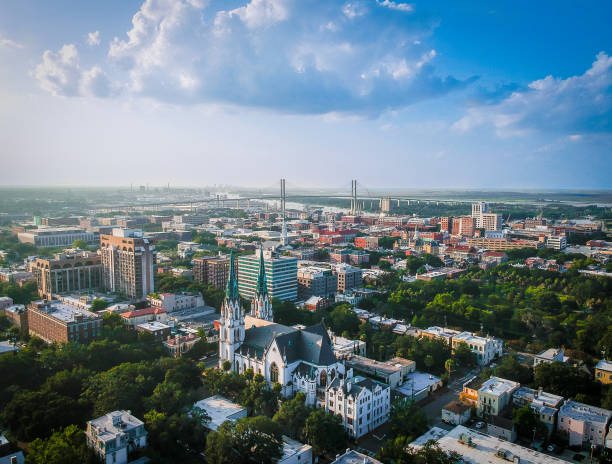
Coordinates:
(299, 359)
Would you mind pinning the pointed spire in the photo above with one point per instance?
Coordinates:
(231, 292)
(262, 283)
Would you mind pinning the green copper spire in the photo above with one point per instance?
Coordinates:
(262, 283)
(231, 292)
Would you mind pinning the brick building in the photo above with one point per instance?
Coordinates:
(59, 322)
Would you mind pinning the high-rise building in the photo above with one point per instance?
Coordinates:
(386, 205)
(127, 258)
(211, 270)
(491, 221)
(281, 275)
(67, 272)
(478, 209)
(463, 226)
(446, 224)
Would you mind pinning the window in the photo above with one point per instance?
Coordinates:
(323, 379)
(273, 373)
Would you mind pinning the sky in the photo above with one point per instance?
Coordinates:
(398, 94)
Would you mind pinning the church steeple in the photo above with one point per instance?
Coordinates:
(261, 307)
(231, 291)
(231, 330)
(262, 283)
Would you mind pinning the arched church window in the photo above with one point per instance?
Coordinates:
(323, 379)
(332, 374)
(274, 373)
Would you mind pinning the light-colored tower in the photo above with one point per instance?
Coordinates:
(231, 330)
(261, 306)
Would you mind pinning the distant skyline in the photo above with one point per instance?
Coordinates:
(402, 95)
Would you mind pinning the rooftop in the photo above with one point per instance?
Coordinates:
(371, 366)
(584, 412)
(353, 457)
(415, 382)
(487, 449)
(153, 326)
(498, 386)
(220, 409)
(114, 423)
(63, 311)
(548, 354)
(604, 365)
(293, 448)
(143, 312)
(7, 347)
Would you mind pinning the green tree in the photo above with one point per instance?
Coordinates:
(66, 446)
(407, 419)
(175, 436)
(79, 244)
(510, 368)
(525, 421)
(567, 381)
(324, 432)
(98, 304)
(464, 356)
(292, 415)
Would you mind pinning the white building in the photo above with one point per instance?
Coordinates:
(176, 301)
(477, 448)
(300, 360)
(556, 242)
(220, 409)
(354, 457)
(363, 404)
(345, 347)
(494, 395)
(485, 348)
(56, 236)
(114, 435)
(550, 355)
(295, 452)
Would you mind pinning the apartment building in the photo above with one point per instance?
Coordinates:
(344, 347)
(5, 302)
(583, 424)
(362, 404)
(140, 316)
(316, 281)
(175, 301)
(463, 226)
(556, 242)
(114, 435)
(545, 405)
(45, 237)
(485, 348)
(494, 395)
(501, 244)
(348, 277)
(127, 259)
(67, 272)
(60, 322)
(368, 243)
(281, 275)
(17, 315)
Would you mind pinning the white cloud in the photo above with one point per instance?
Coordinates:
(353, 10)
(93, 38)
(298, 56)
(577, 104)
(262, 13)
(8, 43)
(396, 6)
(61, 74)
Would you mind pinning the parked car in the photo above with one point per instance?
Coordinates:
(479, 424)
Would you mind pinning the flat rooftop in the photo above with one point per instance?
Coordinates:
(584, 412)
(220, 409)
(153, 326)
(66, 312)
(293, 447)
(7, 347)
(498, 386)
(415, 382)
(107, 431)
(371, 366)
(604, 365)
(485, 448)
(353, 457)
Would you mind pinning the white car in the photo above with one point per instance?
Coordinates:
(479, 425)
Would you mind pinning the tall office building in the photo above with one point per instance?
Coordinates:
(127, 258)
(67, 272)
(483, 219)
(281, 275)
(478, 209)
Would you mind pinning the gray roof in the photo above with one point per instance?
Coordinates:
(311, 344)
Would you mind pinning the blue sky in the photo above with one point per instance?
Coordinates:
(436, 94)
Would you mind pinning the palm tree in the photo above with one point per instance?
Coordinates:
(449, 365)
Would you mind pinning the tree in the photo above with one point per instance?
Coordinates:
(464, 356)
(510, 368)
(525, 421)
(251, 439)
(98, 304)
(567, 381)
(175, 436)
(324, 432)
(407, 419)
(79, 244)
(398, 451)
(66, 446)
(292, 415)
(449, 365)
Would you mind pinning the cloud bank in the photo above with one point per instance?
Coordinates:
(296, 56)
(578, 104)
